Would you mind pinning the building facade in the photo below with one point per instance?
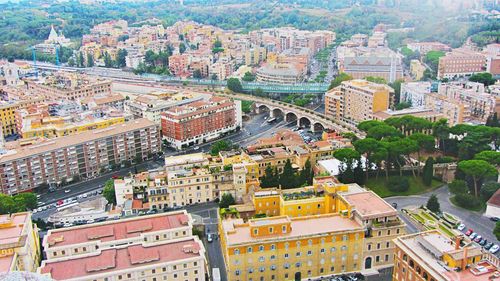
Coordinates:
(19, 243)
(157, 247)
(84, 155)
(460, 62)
(200, 121)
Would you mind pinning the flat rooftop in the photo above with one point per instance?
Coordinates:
(11, 230)
(239, 233)
(115, 230)
(121, 259)
(368, 204)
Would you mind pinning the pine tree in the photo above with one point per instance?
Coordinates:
(287, 178)
(433, 204)
(306, 175)
(428, 171)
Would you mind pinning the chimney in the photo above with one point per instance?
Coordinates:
(458, 239)
(464, 259)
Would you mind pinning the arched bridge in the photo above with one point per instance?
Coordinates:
(305, 117)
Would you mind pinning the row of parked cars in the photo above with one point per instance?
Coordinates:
(487, 245)
(80, 222)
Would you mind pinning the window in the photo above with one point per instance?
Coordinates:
(236, 251)
(297, 264)
(377, 258)
(297, 254)
(250, 270)
(271, 230)
(249, 249)
(262, 269)
(273, 257)
(273, 247)
(344, 248)
(255, 231)
(261, 248)
(386, 257)
(261, 259)
(309, 253)
(273, 267)
(332, 249)
(322, 251)
(286, 265)
(286, 256)
(344, 238)
(237, 272)
(310, 242)
(387, 245)
(378, 246)
(369, 247)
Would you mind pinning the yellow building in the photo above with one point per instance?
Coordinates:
(8, 118)
(417, 69)
(53, 127)
(379, 220)
(432, 256)
(358, 100)
(19, 243)
(284, 248)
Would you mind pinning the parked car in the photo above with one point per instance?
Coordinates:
(461, 227)
(494, 218)
(91, 221)
(152, 211)
(494, 249)
(469, 232)
(488, 245)
(101, 219)
(473, 236)
(483, 242)
(67, 191)
(141, 213)
(478, 238)
(67, 224)
(210, 238)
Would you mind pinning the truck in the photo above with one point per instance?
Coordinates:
(216, 274)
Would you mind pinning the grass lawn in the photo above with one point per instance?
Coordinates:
(427, 216)
(379, 186)
(446, 231)
(479, 208)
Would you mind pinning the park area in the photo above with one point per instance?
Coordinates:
(428, 220)
(400, 186)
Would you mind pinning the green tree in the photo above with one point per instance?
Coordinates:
(496, 231)
(368, 147)
(367, 125)
(382, 132)
(90, 60)
(182, 48)
(441, 131)
(349, 157)
(403, 147)
(492, 120)
(109, 191)
(248, 77)
(428, 171)
(306, 174)
(108, 62)
(433, 204)
(222, 145)
(80, 62)
(374, 79)
(485, 78)
(287, 177)
(489, 189)
(339, 79)
(478, 170)
(234, 85)
(492, 157)
(270, 178)
(458, 187)
(7, 204)
(226, 200)
(424, 142)
(197, 74)
(121, 58)
(28, 199)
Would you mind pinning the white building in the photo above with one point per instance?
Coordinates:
(414, 93)
(493, 206)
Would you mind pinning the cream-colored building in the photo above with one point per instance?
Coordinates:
(417, 69)
(156, 247)
(454, 111)
(357, 100)
(19, 243)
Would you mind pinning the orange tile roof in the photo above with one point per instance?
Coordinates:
(121, 259)
(115, 230)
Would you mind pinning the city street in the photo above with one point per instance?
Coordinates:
(479, 223)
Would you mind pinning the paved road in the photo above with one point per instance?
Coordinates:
(474, 220)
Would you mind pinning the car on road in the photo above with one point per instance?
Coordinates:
(67, 191)
(488, 245)
(152, 211)
(473, 236)
(461, 227)
(67, 224)
(90, 221)
(60, 202)
(478, 238)
(469, 232)
(494, 249)
(196, 148)
(394, 205)
(494, 218)
(210, 238)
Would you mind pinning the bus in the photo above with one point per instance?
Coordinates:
(271, 120)
(216, 274)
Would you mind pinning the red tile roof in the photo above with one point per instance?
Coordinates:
(116, 230)
(495, 199)
(120, 259)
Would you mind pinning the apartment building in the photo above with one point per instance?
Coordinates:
(19, 243)
(87, 154)
(414, 93)
(454, 111)
(279, 74)
(69, 87)
(424, 113)
(425, 47)
(308, 234)
(178, 64)
(357, 100)
(478, 103)
(255, 55)
(157, 247)
(200, 121)
(460, 62)
(492, 53)
(431, 256)
(8, 117)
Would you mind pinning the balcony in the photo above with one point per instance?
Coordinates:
(379, 224)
